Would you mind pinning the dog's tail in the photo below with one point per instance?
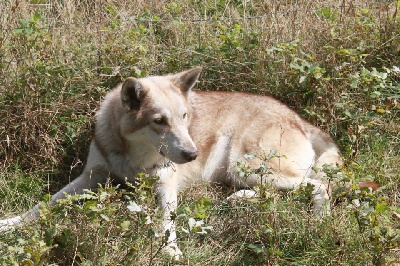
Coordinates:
(326, 150)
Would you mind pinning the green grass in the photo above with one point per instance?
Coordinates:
(337, 66)
(18, 191)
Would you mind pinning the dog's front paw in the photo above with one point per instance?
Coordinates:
(173, 251)
(10, 223)
(243, 194)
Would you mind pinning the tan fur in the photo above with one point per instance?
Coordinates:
(145, 124)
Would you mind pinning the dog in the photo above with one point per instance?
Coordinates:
(161, 126)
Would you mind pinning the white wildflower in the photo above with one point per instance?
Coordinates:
(133, 207)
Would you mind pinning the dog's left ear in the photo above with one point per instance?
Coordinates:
(132, 93)
(187, 79)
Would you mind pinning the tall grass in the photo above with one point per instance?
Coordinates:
(336, 63)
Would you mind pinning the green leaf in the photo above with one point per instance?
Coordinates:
(103, 195)
(125, 225)
(49, 235)
(105, 217)
(90, 205)
(257, 248)
(326, 12)
(36, 17)
(381, 207)
(17, 31)
(347, 113)
(23, 23)
(380, 111)
(201, 207)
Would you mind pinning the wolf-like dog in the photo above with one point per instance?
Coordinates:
(160, 126)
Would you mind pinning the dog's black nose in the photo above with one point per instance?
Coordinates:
(190, 155)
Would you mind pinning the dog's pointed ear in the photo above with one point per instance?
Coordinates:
(187, 79)
(132, 93)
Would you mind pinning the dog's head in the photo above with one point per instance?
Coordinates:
(158, 114)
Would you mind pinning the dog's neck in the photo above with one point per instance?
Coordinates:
(162, 165)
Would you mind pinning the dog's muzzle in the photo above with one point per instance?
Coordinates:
(190, 155)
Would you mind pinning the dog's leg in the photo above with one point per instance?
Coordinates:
(167, 190)
(321, 206)
(321, 201)
(85, 181)
(244, 193)
(93, 174)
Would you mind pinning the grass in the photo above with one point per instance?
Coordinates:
(337, 64)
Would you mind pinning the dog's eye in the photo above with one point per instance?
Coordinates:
(160, 120)
(184, 115)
